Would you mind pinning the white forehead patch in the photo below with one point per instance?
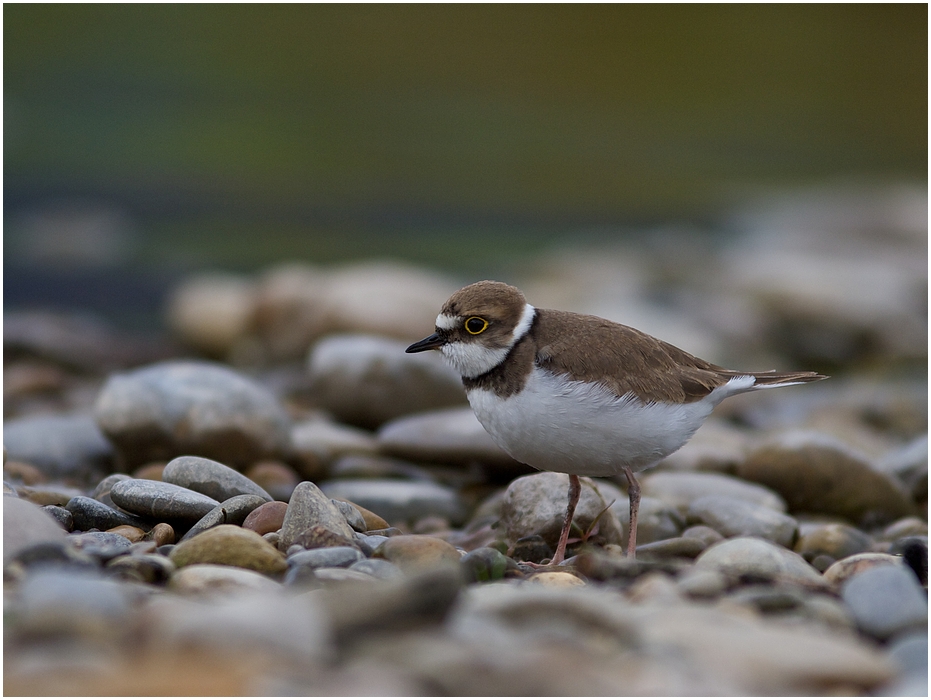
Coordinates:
(446, 322)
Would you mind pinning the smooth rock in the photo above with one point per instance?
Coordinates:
(233, 511)
(161, 534)
(734, 518)
(704, 533)
(352, 514)
(536, 505)
(268, 517)
(399, 501)
(161, 501)
(25, 525)
(317, 536)
(176, 408)
(103, 546)
(210, 478)
(277, 478)
(143, 568)
(687, 547)
(48, 494)
(210, 311)
(414, 553)
(447, 436)
(229, 545)
(60, 446)
(483, 564)
(757, 557)
(848, 567)
(133, 534)
(817, 474)
(102, 491)
(368, 380)
(325, 557)
(834, 540)
(309, 507)
(906, 527)
(89, 513)
(316, 443)
(716, 447)
(378, 568)
(62, 516)
(885, 601)
(336, 576)
(555, 579)
(702, 583)
(214, 578)
(679, 489)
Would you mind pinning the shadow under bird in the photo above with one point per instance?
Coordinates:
(577, 394)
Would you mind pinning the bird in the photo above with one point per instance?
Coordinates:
(578, 394)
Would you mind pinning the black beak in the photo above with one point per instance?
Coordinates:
(429, 343)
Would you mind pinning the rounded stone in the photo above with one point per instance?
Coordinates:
(886, 600)
(161, 534)
(325, 557)
(536, 505)
(733, 517)
(60, 446)
(25, 525)
(210, 478)
(704, 533)
(210, 312)
(906, 527)
(62, 515)
(817, 474)
(850, 566)
(656, 520)
(144, 568)
(835, 540)
(233, 511)
(133, 534)
(686, 547)
(399, 501)
(277, 478)
(378, 568)
(268, 517)
(368, 380)
(757, 557)
(483, 564)
(215, 578)
(317, 443)
(230, 545)
(555, 579)
(310, 507)
(417, 552)
(103, 546)
(161, 501)
(89, 513)
(175, 408)
(679, 489)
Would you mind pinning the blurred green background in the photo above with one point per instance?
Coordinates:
(168, 137)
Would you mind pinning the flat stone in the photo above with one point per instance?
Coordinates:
(367, 380)
(399, 501)
(817, 474)
(60, 446)
(679, 489)
(177, 408)
(886, 600)
(326, 557)
(447, 436)
(733, 517)
(25, 525)
(161, 501)
(88, 513)
(229, 545)
(48, 494)
(687, 547)
(757, 557)
(233, 511)
(309, 507)
(210, 478)
(414, 553)
(268, 517)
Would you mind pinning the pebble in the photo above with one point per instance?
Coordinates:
(834, 540)
(229, 545)
(555, 579)
(704, 533)
(414, 553)
(317, 443)
(325, 557)
(161, 534)
(48, 494)
(161, 501)
(144, 568)
(751, 556)
(184, 407)
(816, 474)
(211, 311)
(702, 583)
(233, 511)
(310, 507)
(25, 525)
(59, 445)
(399, 501)
(687, 547)
(89, 513)
(847, 567)
(655, 520)
(214, 579)
(484, 564)
(276, 478)
(906, 527)
(62, 515)
(446, 436)
(317, 536)
(536, 505)
(133, 534)
(733, 518)
(680, 489)
(378, 568)
(268, 517)
(885, 601)
(368, 380)
(103, 546)
(210, 478)
(330, 576)
(352, 514)
(102, 491)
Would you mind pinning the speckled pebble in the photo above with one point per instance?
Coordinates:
(161, 501)
(327, 557)
(230, 545)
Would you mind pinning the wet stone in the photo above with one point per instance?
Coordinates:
(229, 545)
(733, 517)
(161, 501)
(211, 478)
(232, 511)
(885, 601)
(89, 513)
(62, 515)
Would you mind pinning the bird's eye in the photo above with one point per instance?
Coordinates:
(475, 325)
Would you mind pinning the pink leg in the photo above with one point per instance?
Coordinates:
(575, 490)
(633, 491)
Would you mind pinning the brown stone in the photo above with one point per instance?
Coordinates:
(417, 552)
(268, 517)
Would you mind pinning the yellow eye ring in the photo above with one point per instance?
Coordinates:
(475, 325)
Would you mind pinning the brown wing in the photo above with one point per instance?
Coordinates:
(628, 360)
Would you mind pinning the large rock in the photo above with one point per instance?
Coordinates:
(816, 474)
(210, 312)
(752, 556)
(368, 380)
(175, 408)
(61, 446)
(25, 525)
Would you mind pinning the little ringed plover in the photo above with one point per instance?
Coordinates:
(578, 394)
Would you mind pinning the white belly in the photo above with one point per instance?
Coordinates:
(578, 428)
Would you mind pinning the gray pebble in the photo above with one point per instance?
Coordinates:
(89, 513)
(733, 517)
(232, 511)
(26, 524)
(325, 557)
(309, 507)
(210, 478)
(379, 568)
(101, 545)
(60, 446)
(102, 491)
(886, 600)
(144, 568)
(62, 515)
(156, 499)
(351, 513)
